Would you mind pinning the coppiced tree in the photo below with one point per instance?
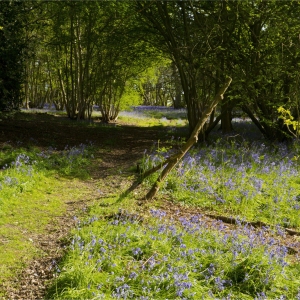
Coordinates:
(88, 53)
(191, 34)
(74, 52)
(255, 42)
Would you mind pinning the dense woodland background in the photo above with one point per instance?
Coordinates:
(78, 55)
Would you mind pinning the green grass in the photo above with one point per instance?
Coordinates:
(169, 114)
(34, 186)
(23, 215)
(250, 182)
(124, 250)
(124, 254)
(148, 118)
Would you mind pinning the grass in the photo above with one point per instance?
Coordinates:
(24, 214)
(34, 186)
(150, 118)
(142, 117)
(254, 182)
(122, 250)
(128, 255)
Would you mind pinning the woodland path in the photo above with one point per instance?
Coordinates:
(119, 147)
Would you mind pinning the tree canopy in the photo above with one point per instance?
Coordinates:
(78, 54)
(12, 53)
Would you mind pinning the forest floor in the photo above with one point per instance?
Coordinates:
(119, 148)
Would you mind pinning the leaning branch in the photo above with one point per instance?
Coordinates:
(173, 160)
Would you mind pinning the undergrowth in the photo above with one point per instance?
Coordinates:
(253, 181)
(148, 118)
(156, 256)
(121, 251)
(33, 187)
(152, 255)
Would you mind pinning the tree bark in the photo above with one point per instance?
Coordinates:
(226, 118)
(253, 119)
(173, 160)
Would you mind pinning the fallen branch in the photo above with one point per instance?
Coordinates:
(173, 160)
(256, 224)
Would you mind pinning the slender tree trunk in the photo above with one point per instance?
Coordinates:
(73, 89)
(26, 90)
(226, 117)
(63, 91)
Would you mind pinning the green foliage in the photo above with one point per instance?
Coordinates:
(12, 53)
(256, 44)
(129, 98)
(90, 54)
(157, 85)
(266, 73)
(288, 120)
(103, 53)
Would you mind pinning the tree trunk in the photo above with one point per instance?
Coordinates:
(177, 99)
(26, 90)
(226, 118)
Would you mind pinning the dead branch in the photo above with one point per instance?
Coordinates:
(173, 160)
